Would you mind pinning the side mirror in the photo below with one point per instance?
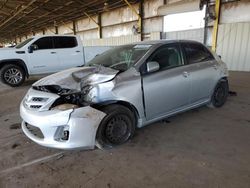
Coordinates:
(32, 48)
(152, 66)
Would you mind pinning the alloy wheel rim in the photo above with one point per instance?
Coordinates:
(13, 76)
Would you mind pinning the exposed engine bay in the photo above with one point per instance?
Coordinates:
(67, 96)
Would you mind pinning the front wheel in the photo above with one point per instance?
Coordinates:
(12, 75)
(220, 94)
(117, 127)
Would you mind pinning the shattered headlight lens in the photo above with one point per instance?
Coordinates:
(85, 90)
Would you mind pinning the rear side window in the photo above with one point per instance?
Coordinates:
(44, 43)
(65, 42)
(196, 53)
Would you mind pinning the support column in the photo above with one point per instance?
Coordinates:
(138, 14)
(141, 13)
(216, 23)
(74, 27)
(100, 25)
(56, 29)
(206, 23)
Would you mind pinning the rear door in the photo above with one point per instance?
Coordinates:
(69, 52)
(203, 71)
(168, 89)
(43, 59)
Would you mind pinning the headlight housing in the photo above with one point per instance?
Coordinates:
(85, 90)
(91, 94)
(66, 106)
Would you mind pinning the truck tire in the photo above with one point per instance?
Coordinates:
(12, 75)
(117, 127)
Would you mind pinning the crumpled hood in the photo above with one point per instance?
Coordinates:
(74, 78)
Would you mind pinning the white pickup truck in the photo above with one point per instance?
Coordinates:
(40, 55)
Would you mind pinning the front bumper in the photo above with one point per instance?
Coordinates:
(81, 125)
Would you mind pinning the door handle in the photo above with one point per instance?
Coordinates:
(185, 74)
(53, 52)
(77, 51)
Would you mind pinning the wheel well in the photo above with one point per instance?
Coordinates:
(123, 103)
(224, 79)
(16, 62)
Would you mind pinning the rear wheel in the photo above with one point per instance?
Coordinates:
(117, 127)
(12, 75)
(220, 94)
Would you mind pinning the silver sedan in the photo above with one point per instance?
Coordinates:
(127, 87)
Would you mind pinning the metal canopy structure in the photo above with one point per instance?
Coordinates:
(19, 17)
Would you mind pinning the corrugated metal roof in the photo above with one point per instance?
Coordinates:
(18, 17)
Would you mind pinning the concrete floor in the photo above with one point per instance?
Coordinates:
(201, 148)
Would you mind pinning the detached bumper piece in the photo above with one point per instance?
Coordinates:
(69, 129)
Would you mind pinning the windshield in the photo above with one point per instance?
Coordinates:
(122, 57)
(24, 43)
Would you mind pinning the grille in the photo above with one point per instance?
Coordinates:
(35, 103)
(35, 106)
(39, 99)
(35, 130)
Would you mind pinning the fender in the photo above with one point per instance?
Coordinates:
(124, 103)
(18, 62)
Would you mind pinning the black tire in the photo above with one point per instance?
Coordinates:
(12, 75)
(116, 128)
(220, 94)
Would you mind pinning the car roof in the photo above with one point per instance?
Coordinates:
(52, 35)
(165, 41)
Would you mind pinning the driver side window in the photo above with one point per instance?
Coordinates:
(43, 43)
(167, 57)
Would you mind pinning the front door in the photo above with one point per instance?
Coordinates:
(168, 89)
(44, 58)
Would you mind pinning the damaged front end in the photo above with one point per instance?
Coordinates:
(66, 96)
(59, 115)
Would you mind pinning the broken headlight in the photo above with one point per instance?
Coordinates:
(63, 107)
(91, 95)
(85, 90)
(68, 101)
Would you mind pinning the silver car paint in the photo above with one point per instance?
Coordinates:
(176, 90)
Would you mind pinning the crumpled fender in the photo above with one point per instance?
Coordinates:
(83, 125)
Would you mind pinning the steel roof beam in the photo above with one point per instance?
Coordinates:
(18, 12)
